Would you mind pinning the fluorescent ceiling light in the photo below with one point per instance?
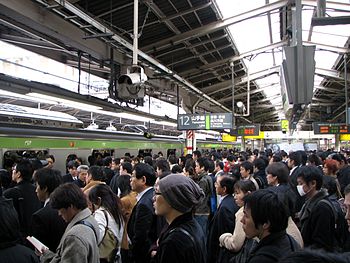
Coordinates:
(134, 117)
(166, 123)
(25, 97)
(69, 103)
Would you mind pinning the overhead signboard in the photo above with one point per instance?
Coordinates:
(330, 128)
(209, 121)
(284, 125)
(246, 130)
(228, 138)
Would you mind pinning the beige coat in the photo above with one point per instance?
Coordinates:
(78, 243)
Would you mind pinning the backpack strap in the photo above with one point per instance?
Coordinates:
(106, 227)
(88, 224)
(184, 231)
(326, 201)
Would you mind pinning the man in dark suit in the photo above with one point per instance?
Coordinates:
(72, 174)
(23, 194)
(47, 225)
(142, 223)
(224, 218)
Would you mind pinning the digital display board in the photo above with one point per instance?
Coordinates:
(330, 128)
(209, 121)
(246, 130)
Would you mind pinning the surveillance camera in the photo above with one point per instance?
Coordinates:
(135, 75)
(130, 79)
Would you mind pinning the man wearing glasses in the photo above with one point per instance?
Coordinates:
(142, 223)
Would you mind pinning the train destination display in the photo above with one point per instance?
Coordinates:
(210, 121)
(330, 128)
(246, 130)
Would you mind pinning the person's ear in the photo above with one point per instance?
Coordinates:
(266, 226)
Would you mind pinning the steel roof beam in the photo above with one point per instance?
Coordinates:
(215, 26)
(337, 6)
(238, 57)
(330, 73)
(340, 50)
(227, 84)
(100, 27)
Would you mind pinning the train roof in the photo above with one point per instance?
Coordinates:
(21, 114)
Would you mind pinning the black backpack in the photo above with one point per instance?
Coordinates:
(341, 226)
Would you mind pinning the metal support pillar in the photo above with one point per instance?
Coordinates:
(233, 94)
(346, 89)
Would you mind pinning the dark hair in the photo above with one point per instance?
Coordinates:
(283, 153)
(231, 158)
(303, 156)
(163, 165)
(203, 162)
(148, 159)
(107, 161)
(310, 173)
(67, 195)
(276, 157)
(247, 166)
(347, 189)
(338, 157)
(123, 182)
(314, 256)
(47, 177)
(197, 153)
(5, 178)
(245, 186)
(314, 159)
(229, 183)
(142, 169)
(330, 184)
(96, 173)
(189, 166)
(72, 164)
(126, 166)
(259, 164)
(211, 165)
(296, 157)
(51, 157)
(280, 170)
(116, 160)
(109, 200)
(172, 159)
(220, 164)
(176, 169)
(26, 170)
(267, 206)
(9, 223)
(36, 164)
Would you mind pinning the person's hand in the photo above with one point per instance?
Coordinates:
(153, 253)
(39, 253)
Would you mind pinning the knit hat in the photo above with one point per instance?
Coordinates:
(181, 192)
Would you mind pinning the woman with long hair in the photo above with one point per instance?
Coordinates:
(107, 211)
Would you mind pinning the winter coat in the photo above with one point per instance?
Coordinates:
(78, 243)
(182, 242)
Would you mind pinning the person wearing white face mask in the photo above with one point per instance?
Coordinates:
(317, 221)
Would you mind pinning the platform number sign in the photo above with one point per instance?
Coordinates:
(209, 121)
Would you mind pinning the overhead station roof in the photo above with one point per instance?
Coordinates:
(190, 44)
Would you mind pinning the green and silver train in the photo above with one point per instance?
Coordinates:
(19, 140)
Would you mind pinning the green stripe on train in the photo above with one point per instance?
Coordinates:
(38, 143)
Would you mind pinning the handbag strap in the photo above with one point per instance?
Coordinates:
(106, 227)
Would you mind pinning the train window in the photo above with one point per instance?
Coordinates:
(170, 152)
(145, 152)
(12, 157)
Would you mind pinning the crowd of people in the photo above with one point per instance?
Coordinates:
(205, 207)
